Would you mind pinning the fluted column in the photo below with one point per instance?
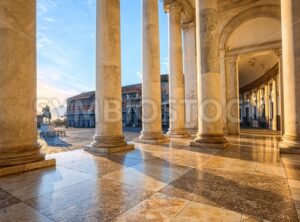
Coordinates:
(210, 132)
(176, 81)
(151, 86)
(109, 137)
(190, 77)
(232, 96)
(290, 16)
(18, 126)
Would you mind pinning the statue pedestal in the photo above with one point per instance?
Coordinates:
(47, 129)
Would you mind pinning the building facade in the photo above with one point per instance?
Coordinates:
(81, 108)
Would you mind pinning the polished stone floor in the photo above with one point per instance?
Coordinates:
(170, 182)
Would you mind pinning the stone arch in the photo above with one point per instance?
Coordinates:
(271, 11)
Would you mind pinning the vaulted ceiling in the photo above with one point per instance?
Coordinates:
(253, 66)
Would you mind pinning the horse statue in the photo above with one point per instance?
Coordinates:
(46, 114)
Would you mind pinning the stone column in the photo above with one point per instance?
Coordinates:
(109, 137)
(290, 16)
(190, 77)
(18, 126)
(280, 91)
(258, 103)
(176, 81)
(210, 131)
(151, 88)
(275, 104)
(223, 89)
(232, 96)
(267, 104)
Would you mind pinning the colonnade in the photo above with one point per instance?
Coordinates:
(260, 105)
(18, 141)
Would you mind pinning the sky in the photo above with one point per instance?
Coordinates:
(66, 48)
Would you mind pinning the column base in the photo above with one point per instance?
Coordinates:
(217, 142)
(4, 171)
(148, 137)
(289, 145)
(108, 144)
(192, 132)
(181, 133)
(12, 156)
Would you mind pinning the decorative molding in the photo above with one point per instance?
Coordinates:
(254, 48)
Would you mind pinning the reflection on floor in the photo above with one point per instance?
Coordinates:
(170, 182)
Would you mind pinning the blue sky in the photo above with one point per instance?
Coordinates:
(66, 33)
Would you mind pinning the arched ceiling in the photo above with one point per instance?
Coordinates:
(255, 31)
(253, 66)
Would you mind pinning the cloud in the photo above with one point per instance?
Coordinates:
(49, 19)
(42, 41)
(54, 97)
(44, 6)
(139, 75)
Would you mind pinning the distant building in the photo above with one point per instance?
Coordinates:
(81, 108)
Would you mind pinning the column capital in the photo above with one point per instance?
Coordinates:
(172, 5)
(232, 58)
(188, 26)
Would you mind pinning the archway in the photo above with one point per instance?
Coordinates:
(249, 46)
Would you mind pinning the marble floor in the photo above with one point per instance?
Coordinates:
(169, 182)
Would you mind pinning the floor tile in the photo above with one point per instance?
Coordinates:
(70, 156)
(187, 158)
(266, 197)
(7, 199)
(93, 200)
(98, 166)
(21, 212)
(161, 170)
(31, 184)
(132, 176)
(196, 212)
(136, 153)
(202, 191)
(158, 207)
